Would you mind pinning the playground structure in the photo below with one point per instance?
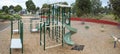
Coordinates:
(115, 40)
(52, 27)
(15, 30)
(31, 25)
(17, 43)
(56, 20)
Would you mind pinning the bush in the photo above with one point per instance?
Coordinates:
(9, 17)
(86, 27)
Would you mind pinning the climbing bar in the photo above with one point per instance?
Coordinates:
(53, 46)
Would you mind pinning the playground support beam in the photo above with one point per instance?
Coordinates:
(63, 10)
(53, 21)
(44, 36)
(11, 28)
(21, 34)
(69, 16)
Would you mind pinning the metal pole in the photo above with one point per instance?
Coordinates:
(69, 16)
(18, 26)
(30, 25)
(11, 33)
(53, 22)
(22, 35)
(44, 37)
(40, 34)
(62, 25)
(59, 20)
(11, 28)
(49, 19)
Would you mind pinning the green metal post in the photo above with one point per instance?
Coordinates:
(21, 35)
(11, 28)
(49, 19)
(18, 26)
(30, 25)
(64, 11)
(59, 20)
(53, 22)
(44, 37)
(57, 26)
(69, 16)
(62, 25)
(40, 34)
(11, 33)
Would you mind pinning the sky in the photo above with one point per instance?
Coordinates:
(38, 3)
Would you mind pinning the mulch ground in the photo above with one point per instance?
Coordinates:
(94, 41)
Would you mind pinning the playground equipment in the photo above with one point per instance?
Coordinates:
(67, 36)
(31, 26)
(17, 43)
(115, 40)
(56, 21)
(16, 30)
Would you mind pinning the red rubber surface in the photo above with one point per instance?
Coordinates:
(95, 21)
(92, 20)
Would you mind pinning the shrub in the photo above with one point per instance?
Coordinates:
(86, 27)
(9, 17)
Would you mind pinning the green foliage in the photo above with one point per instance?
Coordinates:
(45, 8)
(64, 3)
(9, 17)
(82, 7)
(96, 7)
(30, 6)
(37, 8)
(11, 7)
(17, 8)
(16, 16)
(86, 27)
(5, 9)
(73, 9)
(45, 5)
(116, 8)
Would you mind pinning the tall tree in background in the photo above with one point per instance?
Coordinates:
(5, 9)
(115, 4)
(64, 3)
(30, 6)
(45, 8)
(37, 8)
(83, 7)
(11, 7)
(17, 8)
(73, 9)
(45, 5)
(96, 6)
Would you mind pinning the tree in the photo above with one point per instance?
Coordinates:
(17, 8)
(83, 7)
(5, 9)
(73, 10)
(45, 8)
(96, 6)
(11, 7)
(115, 4)
(37, 8)
(30, 6)
(45, 5)
(64, 3)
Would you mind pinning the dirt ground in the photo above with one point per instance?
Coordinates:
(95, 41)
(4, 25)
